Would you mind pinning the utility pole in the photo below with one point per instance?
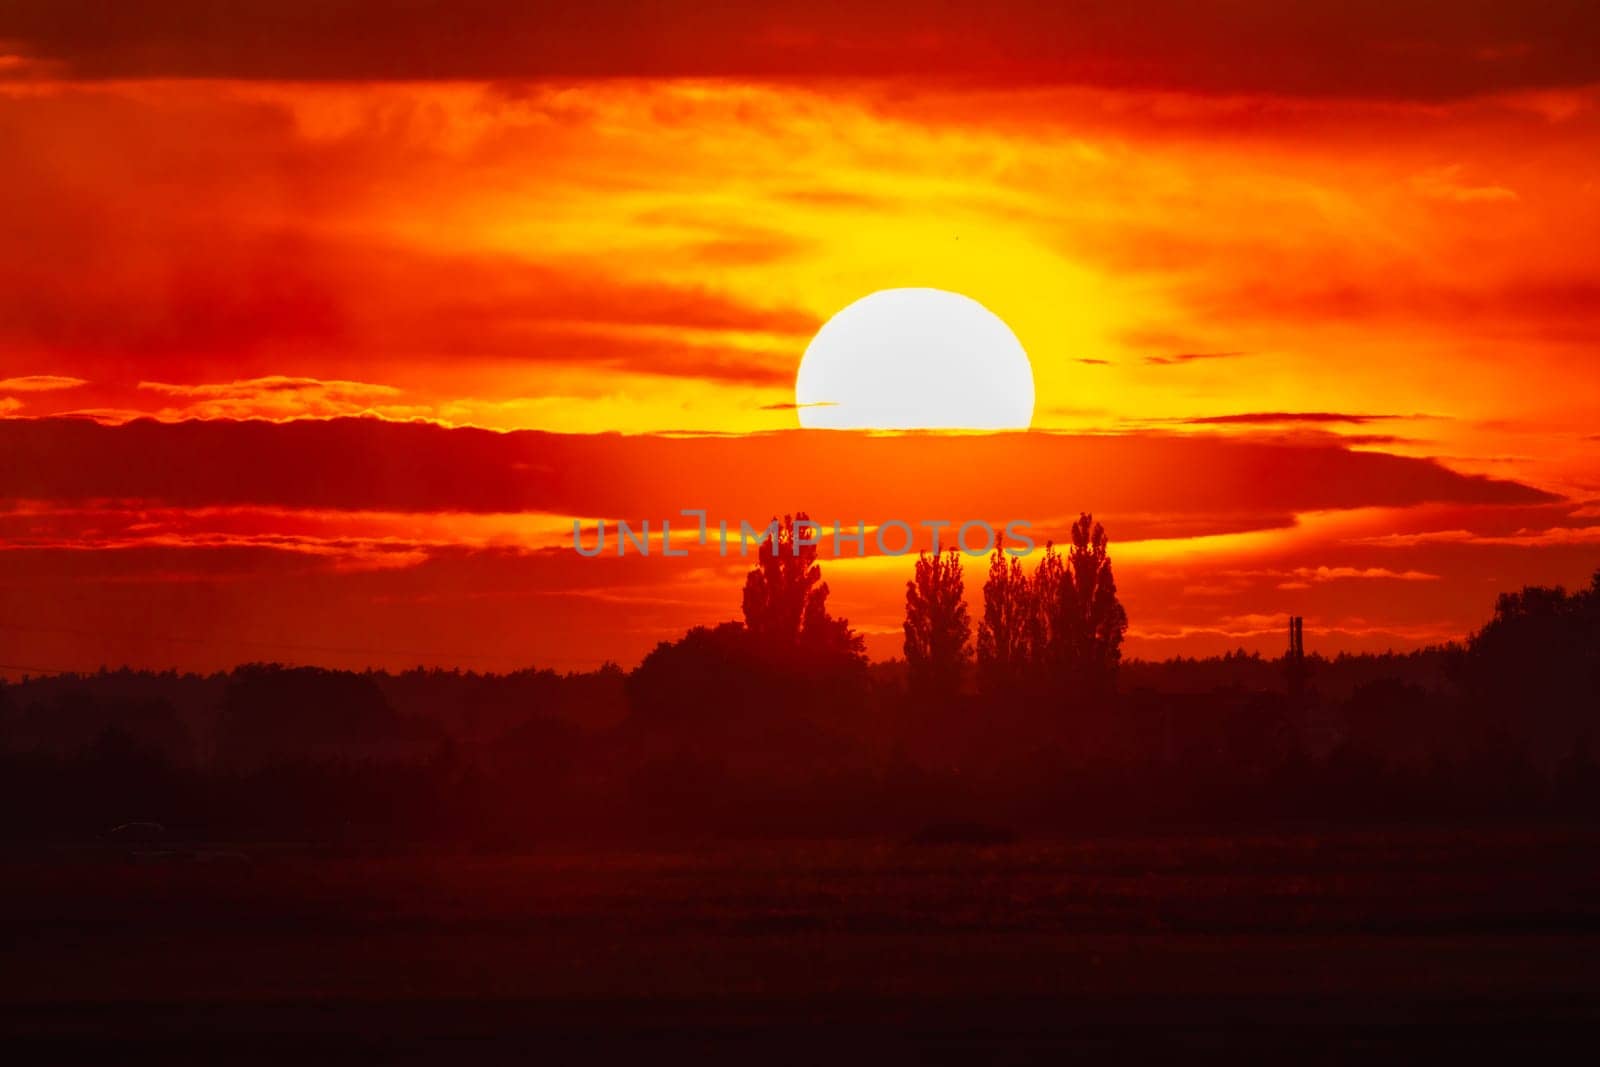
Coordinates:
(1295, 661)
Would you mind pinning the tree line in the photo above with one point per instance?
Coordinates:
(1054, 633)
(1023, 714)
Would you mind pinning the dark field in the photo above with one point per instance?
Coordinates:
(1332, 946)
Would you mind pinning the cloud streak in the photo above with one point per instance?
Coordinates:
(40, 383)
(1251, 418)
(1189, 357)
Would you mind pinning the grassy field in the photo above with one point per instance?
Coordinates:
(1326, 945)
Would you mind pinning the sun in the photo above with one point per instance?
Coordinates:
(904, 359)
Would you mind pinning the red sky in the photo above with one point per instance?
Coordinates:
(317, 331)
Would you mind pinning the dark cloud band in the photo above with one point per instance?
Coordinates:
(1399, 49)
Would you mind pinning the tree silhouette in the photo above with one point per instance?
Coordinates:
(1094, 617)
(1010, 622)
(937, 629)
(1081, 621)
(1533, 671)
(786, 601)
(274, 714)
(1047, 643)
(706, 676)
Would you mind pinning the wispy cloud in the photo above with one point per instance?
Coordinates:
(1251, 417)
(279, 397)
(792, 406)
(1445, 183)
(1189, 357)
(40, 383)
(1555, 535)
(1305, 577)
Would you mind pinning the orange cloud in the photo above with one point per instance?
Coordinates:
(1444, 183)
(39, 383)
(653, 255)
(278, 397)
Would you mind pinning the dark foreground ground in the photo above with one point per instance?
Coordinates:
(1336, 947)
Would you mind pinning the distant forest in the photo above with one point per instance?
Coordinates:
(778, 726)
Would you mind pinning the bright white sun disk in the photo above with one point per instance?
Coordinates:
(902, 359)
